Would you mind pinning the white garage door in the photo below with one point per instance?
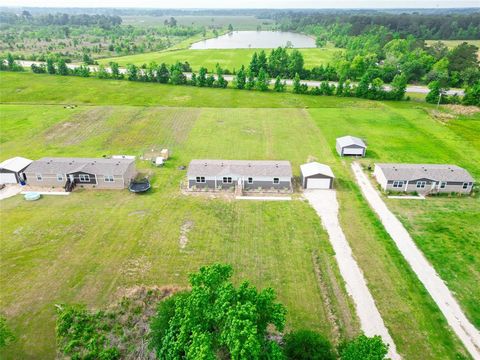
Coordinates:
(7, 178)
(318, 183)
(353, 151)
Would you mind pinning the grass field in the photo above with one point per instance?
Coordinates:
(231, 59)
(452, 43)
(84, 247)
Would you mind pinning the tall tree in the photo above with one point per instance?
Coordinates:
(115, 70)
(253, 67)
(62, 67)
(215, 317)
(51, 65)
(163, 75)
(263, 80)
(132, 72)
(279, 86)
(202, 77)
(241, 78)
(399, 87)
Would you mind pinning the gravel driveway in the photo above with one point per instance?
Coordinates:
(10, 190)
(437, 289)
(325, 204)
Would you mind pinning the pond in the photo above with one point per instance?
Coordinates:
(256, 40)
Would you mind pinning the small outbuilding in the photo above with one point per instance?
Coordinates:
(316, 176)
(11, 170)
(351, 146)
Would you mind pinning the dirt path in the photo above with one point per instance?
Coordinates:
(437, 289)
(325, 204)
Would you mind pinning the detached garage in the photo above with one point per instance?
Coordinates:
(11, 170)
(316, 176)
(351, 146)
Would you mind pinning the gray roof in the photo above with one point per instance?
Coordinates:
(239, 168)
(350, 140)
(52, 165)
(438, 172)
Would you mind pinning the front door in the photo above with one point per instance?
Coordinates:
(71, 178)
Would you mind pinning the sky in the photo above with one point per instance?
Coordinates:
(245, 3)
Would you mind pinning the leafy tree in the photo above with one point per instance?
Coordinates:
(436, 94)
(50, 66)
(177, 77)
(62, 67)
(115, 70)
(462, 57)
(307, 345)
(365, 348)
(279, 86)
(163, 75)
(241, 78)
(202, 77)
(132, 72)
(263, 80)
(215, 317)
(472, 95)
(6, 335)
(399, 87)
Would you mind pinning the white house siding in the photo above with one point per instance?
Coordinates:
(382, 180)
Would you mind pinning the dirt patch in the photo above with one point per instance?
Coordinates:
(249, 131)
(463, 110)
(453, 111)
(136, 267)
(140, 213)
(184, 230)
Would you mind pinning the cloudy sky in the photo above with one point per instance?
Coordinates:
(245, 3)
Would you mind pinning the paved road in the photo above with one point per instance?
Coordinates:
(435, 286)
(418, 89)
(325, 204)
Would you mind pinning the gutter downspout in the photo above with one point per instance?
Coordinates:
(406, 186)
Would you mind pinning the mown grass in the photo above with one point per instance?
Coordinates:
(109, 240)
(231, 59)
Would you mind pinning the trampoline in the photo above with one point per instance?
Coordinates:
(139, 186)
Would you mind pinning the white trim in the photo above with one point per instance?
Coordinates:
(59, 177)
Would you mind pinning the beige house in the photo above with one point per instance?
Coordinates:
(84, 172)
(423, 178)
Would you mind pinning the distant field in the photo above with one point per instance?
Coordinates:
(238, 22)
(452, 43)
(85, 247)
(228, 58)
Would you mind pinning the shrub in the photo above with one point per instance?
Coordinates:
(365, 348)
(307, 345)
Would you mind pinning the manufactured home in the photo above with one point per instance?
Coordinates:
(423, 178)
(314, 175)
(351, 146)
(12, 170)
(86, 172)
(243, 174)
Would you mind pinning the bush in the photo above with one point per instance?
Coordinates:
(307, 345)
(365, 348)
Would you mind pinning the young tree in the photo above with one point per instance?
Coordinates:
(365, 348)
(263, 80)
(230, 28)
(202, 77)
(163, 75)
(50, 66)
(210, 82)
(241, 78)
(295, 65)
(102, 73)
(472, 95)
(132, 72)
(307, 345)
(62, 67)
(10, 61)
(399, 87)
(115, 70)
(279, 86)
(250, 80)
(177, 77)
(220, 81)
(296, 84)
(38, 69)
(262, 61)
(253, 67)
(215, 317)
(436, 95)
(193, 79)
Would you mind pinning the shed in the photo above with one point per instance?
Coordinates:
(316, 176)
(350, 146)
(11, 170)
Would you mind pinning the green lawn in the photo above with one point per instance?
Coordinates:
(85, 247)
(231, 59)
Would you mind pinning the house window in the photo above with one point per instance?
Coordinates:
(465, 185)
(200, 179)
(109, 178)
(59, 177)
(84, 178)
(276, 180)
(421, 184)
(443, 185)
(398, 184)
(227, 180)
(250, 180)
(39, 177)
